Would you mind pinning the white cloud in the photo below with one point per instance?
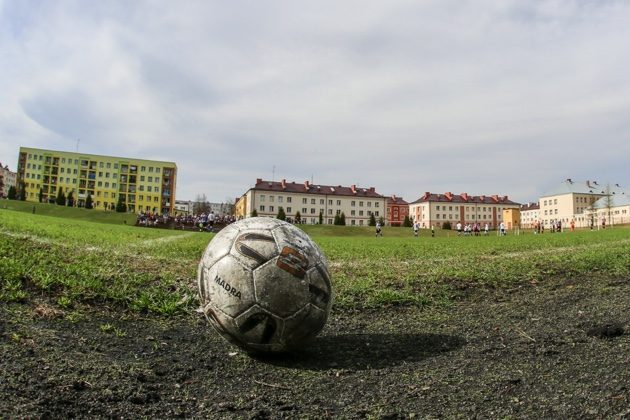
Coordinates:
(486, 97)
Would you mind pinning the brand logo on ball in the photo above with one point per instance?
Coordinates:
(227, 287)
(292, 261)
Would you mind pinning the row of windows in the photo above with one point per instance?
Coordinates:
(91, 175)
(99, 184)
(468, 208)
(280, 199)
(108, 165)
(472, 217)
(555, 201)
(289, 210)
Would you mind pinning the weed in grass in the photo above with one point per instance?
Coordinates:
(111, 329)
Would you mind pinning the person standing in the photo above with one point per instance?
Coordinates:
(378, 230)
(416, 227)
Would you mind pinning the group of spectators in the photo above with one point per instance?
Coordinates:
(202, 222)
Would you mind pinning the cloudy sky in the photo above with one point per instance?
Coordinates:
(505, 97)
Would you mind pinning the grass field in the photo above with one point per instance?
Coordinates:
(78, 258)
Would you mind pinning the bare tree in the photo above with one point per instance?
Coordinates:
(201, 205)
(608, 204)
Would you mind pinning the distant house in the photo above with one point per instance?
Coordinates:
(8, 179)
(397, 210)
(436, 209)
(615, 210)
(530, 214)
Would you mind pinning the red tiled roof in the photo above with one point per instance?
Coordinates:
(462, 198)
(396, 200)
(307, 188)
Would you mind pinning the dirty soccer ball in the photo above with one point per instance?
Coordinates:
(264, 285)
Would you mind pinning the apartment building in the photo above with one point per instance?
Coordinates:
(310, 200)
(614, 210)
(397, 210)
(530, 214)
(572, 200)
(436, 209)
(8, 179)
(143, 185)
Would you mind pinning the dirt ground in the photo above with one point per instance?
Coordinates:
(555, 350)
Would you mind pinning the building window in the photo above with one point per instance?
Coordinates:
(271, 198)
(304, 200)
(262, 197)
(288, 199)
(338, 202)
(280, 199)
(353, 203)
(360, 203)
(271, 208)
(312, 201)
(261, 208)
(289, 210)
(303, 210)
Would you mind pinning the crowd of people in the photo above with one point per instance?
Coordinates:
(202, 222)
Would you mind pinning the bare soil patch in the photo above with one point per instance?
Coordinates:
(559, 349)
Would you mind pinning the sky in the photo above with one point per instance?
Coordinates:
(507, 97)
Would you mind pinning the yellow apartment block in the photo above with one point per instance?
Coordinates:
(143, 185)
(575, 201)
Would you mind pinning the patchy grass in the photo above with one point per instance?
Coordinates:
(75, 263)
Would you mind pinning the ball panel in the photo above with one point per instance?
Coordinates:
(279, 291)
(296, 238)
(220, 245)
(304, 325)
(254, 247)
(259, 329)
(320, 289)
(228, 284)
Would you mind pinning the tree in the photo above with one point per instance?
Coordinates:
(22, 191)
(254, 213)
(121, 207)
(372, 221)
(61, 198)
(342, 219)
(201, 205)
(407, 222)
(337, 220)
(608, 204)
(40, 196)
(88, 202)
(446, 225)
(281, 214)
(12, 193)
(298, 218)
(70, 199)
(381, 221)
(321, 218)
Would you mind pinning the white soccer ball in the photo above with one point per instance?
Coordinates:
(264, 285)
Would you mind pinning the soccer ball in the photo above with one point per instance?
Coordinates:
(264, 285)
